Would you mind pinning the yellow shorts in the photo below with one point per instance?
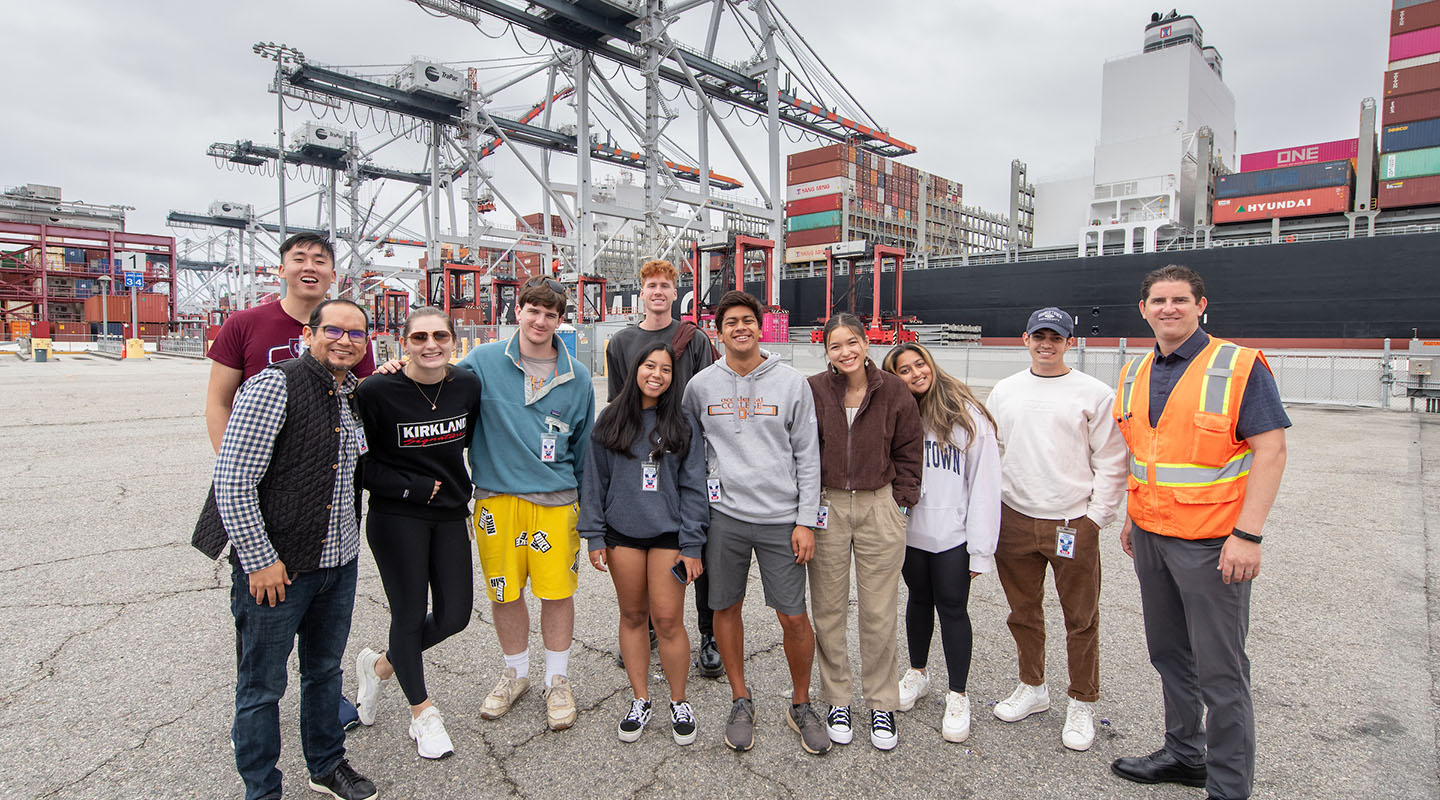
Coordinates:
(518, 539)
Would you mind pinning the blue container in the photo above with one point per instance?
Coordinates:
(1410, 136)
(570, 337)
(74, 255)
(1285, 179)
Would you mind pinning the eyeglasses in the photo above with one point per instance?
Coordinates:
(421, 337)
(333, 332)
(549, 283)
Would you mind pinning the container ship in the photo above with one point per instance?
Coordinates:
(1330, 244)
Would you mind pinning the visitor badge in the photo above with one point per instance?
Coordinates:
(649, 477)
(360, 442)
(1064, 541)
(547, 447)
(712, 487)
(822, 517)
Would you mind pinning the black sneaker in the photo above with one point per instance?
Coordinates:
(634, 721)
(682, 722)
(882, 730)
(344, 783)
(707, 661)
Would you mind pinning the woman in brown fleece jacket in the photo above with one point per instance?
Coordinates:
(871, 448)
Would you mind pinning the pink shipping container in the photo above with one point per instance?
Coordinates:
(1414, 44)
(775, 327)
(1305, 154)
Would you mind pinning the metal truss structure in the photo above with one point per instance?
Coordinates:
(771, 74)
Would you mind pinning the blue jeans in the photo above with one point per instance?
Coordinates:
(317, 608)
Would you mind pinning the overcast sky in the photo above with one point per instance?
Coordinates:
(116, 102)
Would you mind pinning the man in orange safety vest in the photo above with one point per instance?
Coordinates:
(1206, 430)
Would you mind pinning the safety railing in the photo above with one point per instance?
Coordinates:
(181, 345)
(110, 344)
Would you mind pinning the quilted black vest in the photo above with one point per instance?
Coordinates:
(299, 485)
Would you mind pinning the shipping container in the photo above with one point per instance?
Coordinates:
(1417, 61)
(1410, 136)
(1410, 108)
(798, 255)
(152, 307)
(1424, 78)
(812, 205)
(819, 188)
(1305, 203)
(815, 236)
(1413, 18)
(833, 152)
(1285, 179)
(1399, 4)
(829, 169)
(1415, 43)
(1410, 163)
(806, 222)
(1410, 192)
(1304, 154)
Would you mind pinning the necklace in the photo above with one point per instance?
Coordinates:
(434, 402)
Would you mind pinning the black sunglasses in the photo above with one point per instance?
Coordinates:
(550, 283)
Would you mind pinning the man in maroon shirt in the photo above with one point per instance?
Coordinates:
(255, 338)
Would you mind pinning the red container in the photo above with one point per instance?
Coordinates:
(1414, 79)
(1305, 154)
(815, 172)
(1415, 43)
(1410, 108)
(834, 152)
(1304, 203)
(1414, 18)
(151, 307)
(814, 205)
(815, 236)
(1410, 192)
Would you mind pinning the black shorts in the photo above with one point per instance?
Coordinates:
(660, 541)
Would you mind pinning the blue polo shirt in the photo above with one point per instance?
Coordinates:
(1260, 409)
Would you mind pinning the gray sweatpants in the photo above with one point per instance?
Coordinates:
(1195, 626)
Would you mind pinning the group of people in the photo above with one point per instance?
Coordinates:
(701, 463)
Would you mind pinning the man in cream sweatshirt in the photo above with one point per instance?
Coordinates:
(1062, 480)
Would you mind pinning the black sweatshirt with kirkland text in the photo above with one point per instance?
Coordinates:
(412, 446)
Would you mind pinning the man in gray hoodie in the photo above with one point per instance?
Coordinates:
(763, 484)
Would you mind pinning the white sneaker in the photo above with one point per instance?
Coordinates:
(428, 731)
(956, 725)
(1079, 731)
(507, 690)
(913, 686)
(1023, 702)
(367, 698)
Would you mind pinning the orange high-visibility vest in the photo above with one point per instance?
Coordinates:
(1188, 473)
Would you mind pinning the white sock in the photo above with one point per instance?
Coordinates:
(520, 662)
(557, 662)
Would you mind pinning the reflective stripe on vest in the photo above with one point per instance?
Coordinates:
(1129, 382)
(1194, 474)
(1215, 394)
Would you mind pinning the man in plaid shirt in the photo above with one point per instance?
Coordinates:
(285, 500)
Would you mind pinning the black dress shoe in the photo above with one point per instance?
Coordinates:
(707, 661)
(1158, 767)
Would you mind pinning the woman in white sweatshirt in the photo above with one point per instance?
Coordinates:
(952, 531)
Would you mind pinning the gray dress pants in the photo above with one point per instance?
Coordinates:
(1195, 627)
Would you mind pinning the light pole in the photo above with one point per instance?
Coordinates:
(284, 56)
(105, 303)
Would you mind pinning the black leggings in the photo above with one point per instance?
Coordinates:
(939, 582)
(413, 556)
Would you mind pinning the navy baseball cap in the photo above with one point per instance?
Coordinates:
(1054, 319)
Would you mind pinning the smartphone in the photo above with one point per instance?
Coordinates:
(680, 573)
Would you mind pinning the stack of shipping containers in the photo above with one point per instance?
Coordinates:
(1290, 182)
(1410, 113)
(840, 193)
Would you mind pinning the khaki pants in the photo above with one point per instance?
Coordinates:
(1026, 546)
(868, 527)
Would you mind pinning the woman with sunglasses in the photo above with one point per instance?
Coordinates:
(643, 511)
(417, 424)
(952, 531)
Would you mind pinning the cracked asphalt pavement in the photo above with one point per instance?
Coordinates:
(119, 668)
